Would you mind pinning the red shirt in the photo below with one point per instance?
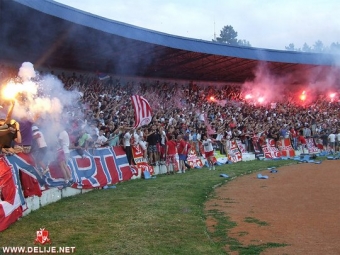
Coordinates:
(183, 147)
(171, 147)
(302, 140)
(293, 132)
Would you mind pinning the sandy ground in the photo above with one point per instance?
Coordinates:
(300, 204)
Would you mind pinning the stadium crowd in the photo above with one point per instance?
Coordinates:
(182, 111)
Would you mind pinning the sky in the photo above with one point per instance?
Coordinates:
(270, 24)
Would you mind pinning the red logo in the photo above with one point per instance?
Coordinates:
(42, 237)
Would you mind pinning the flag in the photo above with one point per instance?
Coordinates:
(10, 202)
(143, 113)
(286, 148)
(103, 76)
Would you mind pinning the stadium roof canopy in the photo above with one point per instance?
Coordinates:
(48, 33)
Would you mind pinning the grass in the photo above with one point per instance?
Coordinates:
(165, 215)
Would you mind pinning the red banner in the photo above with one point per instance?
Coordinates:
(311, 146)
(255, 141)
(285, 147)
(10, 204)
(141, 162)
(270, 150)
(19, 177)
(234, 155)
(241, 146)
(193, 160)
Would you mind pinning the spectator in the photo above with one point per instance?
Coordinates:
(113, 139)
(26, 135)
(170, 155)
(331, 140)
(63, 155)
(337, 141)
(208, 151)
(163, 139)
(101, 140)
(127, 144)
(153, 138)
(82, 142)
(39, 150)
(9, 134)
(183, 148)
(219, 138)
(302, 143)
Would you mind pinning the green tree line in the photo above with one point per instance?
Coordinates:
(228, 35)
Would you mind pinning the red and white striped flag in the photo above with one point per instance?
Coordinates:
(143, 113)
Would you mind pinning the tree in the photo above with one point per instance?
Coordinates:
(335, 47)
(229, 36)
(291, 47)
(243, 43)
(306, 48)
(319, 47)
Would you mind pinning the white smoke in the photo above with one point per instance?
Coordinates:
(26, 71)
(41, 99)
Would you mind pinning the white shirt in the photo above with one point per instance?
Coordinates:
(331, 138)
(64, 141)
(126, 140)
(163, 136)
(219, 137)
(40, 139)
(201, 117)
(207, 145)
(100, 140)
(136, 138)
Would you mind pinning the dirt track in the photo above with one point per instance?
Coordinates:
(300, 204)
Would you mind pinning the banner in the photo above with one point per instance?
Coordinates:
(141, 162)
(285, 147)
(257, 148)
(101, 167)
(11, 197)
(319, 144)
(234, 155)
(19, 177)
(143, 113)
(241, 146)
(311, 146)
(270, 150)
(193, 160)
